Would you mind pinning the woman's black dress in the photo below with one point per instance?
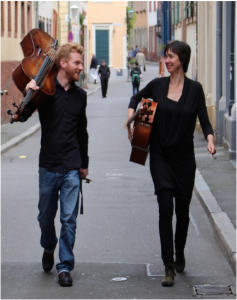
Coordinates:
(172, 160)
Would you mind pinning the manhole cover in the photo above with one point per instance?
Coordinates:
(120, 279)
(208, 290)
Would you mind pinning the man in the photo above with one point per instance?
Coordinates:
(137, 49)
(63, 159)
(135, 74)
(140, 59)
(93, 67)
(104, 73)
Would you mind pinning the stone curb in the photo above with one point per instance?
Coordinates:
(20, 138)
(224, 229)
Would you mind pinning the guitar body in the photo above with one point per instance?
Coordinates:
(142, 132)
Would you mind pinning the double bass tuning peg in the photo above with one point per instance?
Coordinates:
(9, 112)
(14, 104)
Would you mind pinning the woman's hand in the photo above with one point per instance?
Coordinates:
(210, 146)
(31, 85)
(130, 132)
(131, 112)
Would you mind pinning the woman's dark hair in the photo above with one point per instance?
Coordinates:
(181, 49)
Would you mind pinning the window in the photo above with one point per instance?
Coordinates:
(190, 11)
(150, 2)
(154, 5)
(9, 18)
(2, 18)
(177, 12)
(22, 19)
(173, 12)
(16, 18)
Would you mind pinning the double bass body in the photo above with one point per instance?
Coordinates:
(36, 46)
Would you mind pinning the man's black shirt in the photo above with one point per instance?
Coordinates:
(64, 137)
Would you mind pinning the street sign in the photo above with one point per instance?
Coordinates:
(70, 37)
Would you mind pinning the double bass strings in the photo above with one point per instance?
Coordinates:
(49, 61)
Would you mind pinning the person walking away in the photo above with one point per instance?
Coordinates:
(63, 159)
(140, 58)
(93, 67)
(130, 54)
(137, 49)
(172, 159)
(104, 74)
(135, 74)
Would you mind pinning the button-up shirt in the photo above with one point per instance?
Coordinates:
(64, 139)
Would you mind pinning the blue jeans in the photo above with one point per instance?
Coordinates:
(135, 88)
(50, 184)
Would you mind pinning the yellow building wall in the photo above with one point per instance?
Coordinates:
(107, 13)
(63, 10)
(10, 45)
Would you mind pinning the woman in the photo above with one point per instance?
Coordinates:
(172, 160)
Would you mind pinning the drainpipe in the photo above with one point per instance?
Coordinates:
(69, 19)
(36, 14)
(218, 61)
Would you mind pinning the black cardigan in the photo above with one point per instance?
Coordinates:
(190, 105)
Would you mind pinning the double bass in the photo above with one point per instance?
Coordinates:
(144, 120)
(39, 50)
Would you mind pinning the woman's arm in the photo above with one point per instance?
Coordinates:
(205, 122)
(146, 92)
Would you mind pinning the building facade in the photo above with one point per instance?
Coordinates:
(216, 68)
(140, 29)
(107, 36)
(152, 47)
(17, 19)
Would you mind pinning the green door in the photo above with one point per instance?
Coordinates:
(102, 45)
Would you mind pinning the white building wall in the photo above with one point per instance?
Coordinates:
(191, 40)
(151, 22)
(46, 14)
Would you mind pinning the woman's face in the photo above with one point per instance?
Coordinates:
(172, 62)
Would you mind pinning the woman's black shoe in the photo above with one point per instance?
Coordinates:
(64, 279)
(47, 261)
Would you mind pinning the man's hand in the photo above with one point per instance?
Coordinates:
(31, 85)
(84, 173)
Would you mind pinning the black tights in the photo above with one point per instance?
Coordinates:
(166, 207)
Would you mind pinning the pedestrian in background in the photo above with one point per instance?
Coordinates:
(63, 159)
(130, 54)
(172, 160)
(135, 74)
(93, 67)
(140, 59)
(104, 73)
(137, 49)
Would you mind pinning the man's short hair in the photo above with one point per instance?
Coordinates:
(65, 50)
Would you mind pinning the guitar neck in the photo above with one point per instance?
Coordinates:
(133, 117)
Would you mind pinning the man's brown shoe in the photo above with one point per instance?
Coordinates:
(64, 279)
(168, 279)
(47, 261)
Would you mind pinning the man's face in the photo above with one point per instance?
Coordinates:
(103, 63)
(73, 67)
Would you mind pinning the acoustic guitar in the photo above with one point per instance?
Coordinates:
(144, 118)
